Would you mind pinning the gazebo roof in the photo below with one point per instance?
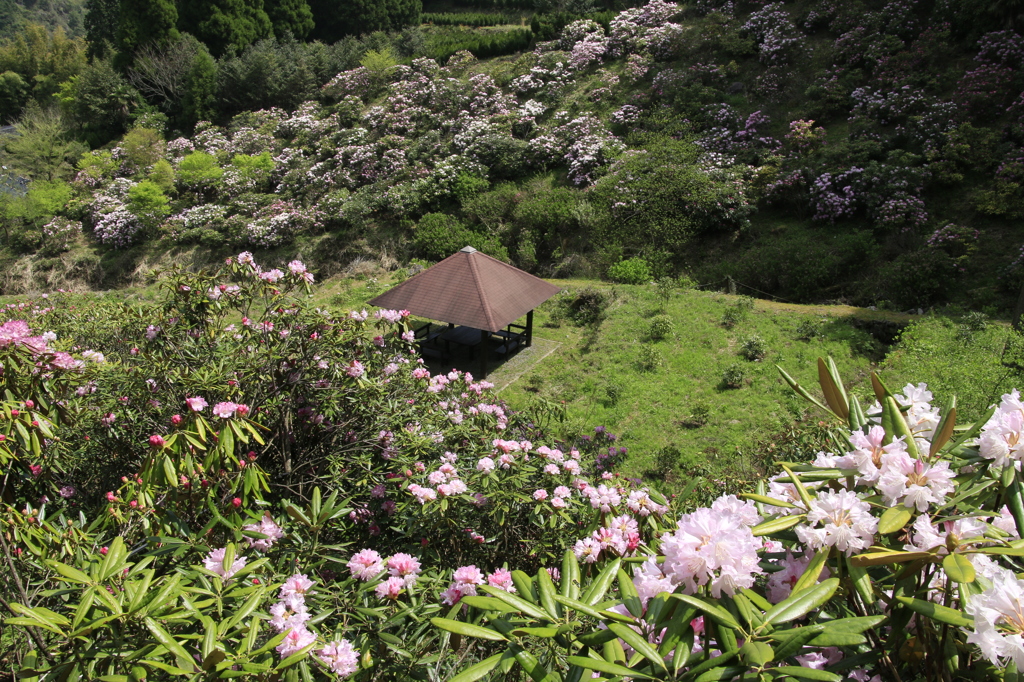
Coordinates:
(469, 288)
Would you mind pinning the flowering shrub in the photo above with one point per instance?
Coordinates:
(904, 541)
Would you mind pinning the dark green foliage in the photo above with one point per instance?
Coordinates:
(225, 25)
(142, 22)
(200, 90)
(585, 307)
(289, 16)
(13, 95)
(100, 102)
(469, 19)
(101, 19)
(335, 20)
(670, 198)
(271, 73)
(482, 46)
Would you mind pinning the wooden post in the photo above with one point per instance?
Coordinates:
(484, 336)
(529, 329)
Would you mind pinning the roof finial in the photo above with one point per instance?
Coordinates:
(467, 249)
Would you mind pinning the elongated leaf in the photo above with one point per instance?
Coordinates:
(575, 606)
(570, 585)
(756, 653)
(835, 396)
(792, 641)
(639, 644)
(717, 613)
(800, 390)
(776, 525)
(183, 659)
(603, 666)
(601, 584)
(467, 629)
(546, 593)
(628, 594)
(479, 670)
(69, 572)
(893, 519)
(943, 614)
(805, 497)
(520, 604)
(799, 603)
(488, 604)
(887, 557)
(862, 583)
(944, 431)
(721, 673)
(806, 673)
(771, 501)
(543, 633)
(813, 571)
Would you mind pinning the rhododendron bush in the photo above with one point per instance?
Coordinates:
(229, 482)
(895, 557)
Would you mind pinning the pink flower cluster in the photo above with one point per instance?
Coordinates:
(290, 615)
(214, 561)
(266, 526)
(466, 578)
(620, 538)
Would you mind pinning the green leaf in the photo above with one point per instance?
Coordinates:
(893, 519)
(630, 597)
(806, 673)
(570, 585)
(602, 666)
(546, 592)
(770, 501)
(479, 670)
(184, 660)
(756, 653)
(813, 571)
(958, 568)
(887, 557)
(69, 572)
(944, 431)
(542, 632)
(792, 641)
(943, 614)
(800, 390)
(832, 387)
(776, 525)
(519, 604)
(467, 629)
(717, 613)
(488, 604)
(601, 584)
(800, 603)
(575, 606)
(639, 644)
(805, 497)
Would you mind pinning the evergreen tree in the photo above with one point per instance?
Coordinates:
(336, 19)
(290, 16)
(145, 22)
(101, 20)
(201, 90)
(225, 25)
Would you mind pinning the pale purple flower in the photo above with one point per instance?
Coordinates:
(366, 564)
(340, 656)
(846, 522)
(225, 410)
(502, 579)
(999, 620)
(390, 588)
(214, 562)
(914, 482)
(196, 404)
(295, 641)
(267, 527)
(404, 566)
(296, 584)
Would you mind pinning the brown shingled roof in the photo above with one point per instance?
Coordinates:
(469, 288)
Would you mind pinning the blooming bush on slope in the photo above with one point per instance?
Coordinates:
(168, 480)
(895, 558)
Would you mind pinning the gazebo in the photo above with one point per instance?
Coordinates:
(478, 296)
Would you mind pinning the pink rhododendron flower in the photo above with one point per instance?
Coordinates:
(215, 562)
(390, 588)
(846, 522)
(502, 579)
(404, 566)
(267, 527)
(340, 656)
(296, 584)
(295, 641)
(225, 410)
(366, 564)
(196, 404)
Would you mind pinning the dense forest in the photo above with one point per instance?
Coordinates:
(814, 151)
(234, 471)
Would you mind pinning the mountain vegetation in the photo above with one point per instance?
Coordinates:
(228, 473)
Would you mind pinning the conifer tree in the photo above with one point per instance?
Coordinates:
(290, 16)
(225, 25)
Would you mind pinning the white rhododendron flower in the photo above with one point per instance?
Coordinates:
(999, 620)
(846, 522)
